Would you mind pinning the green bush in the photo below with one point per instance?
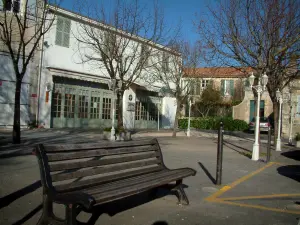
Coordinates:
(213, 123)
(297, 136)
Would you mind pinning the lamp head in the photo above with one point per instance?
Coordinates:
(278, 94)
(251, 79)
(264, 80)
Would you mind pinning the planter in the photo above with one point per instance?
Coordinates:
(123, 136)
(298, 144)
(106, 135)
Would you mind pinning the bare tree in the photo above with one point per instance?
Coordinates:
(261, 34)
(122, 42)
(171, 70)
(21, 30)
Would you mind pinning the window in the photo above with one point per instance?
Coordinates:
(56, 105)
(63, 28)
(83, 105)
(198, 86)
(165, 62)
(204, 83)
(227, 87)
(95, 107)
(69, 109)
(141, 109)
(153, 111)
(106, 108)
(11, 5)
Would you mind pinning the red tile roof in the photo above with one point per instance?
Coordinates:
(218, 72)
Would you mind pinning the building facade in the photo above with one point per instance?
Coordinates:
(75, 94)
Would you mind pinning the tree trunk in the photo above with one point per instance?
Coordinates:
(16, 126)
(120, 108)
(176, 119)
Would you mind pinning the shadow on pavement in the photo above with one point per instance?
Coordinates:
(292, 154)
(6, 200)
(241, 150)
(29, 215)
(290, 171)
(213, 180)
(115, 207)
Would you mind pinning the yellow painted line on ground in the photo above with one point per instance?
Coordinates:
(235, 183)
(257, 207)
(259, 197)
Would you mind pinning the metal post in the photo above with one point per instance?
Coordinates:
(219, 155)
(278, 142)
(269, 145)
(255, 152)
(157, 117)
(291, 125)
(188, 133)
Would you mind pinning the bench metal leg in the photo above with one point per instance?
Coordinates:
(47, 213)
(182, 197)
(71, 213)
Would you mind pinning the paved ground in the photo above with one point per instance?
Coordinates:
(252, 192)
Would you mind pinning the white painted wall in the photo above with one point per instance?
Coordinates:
(7, 93)
(168, 112)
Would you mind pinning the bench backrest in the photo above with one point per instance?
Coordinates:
(76, 166)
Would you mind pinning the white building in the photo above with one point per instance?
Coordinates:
(74, 94)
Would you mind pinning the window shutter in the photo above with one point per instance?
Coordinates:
(67, 29)
(298, 107)
(232, 88)
(59, 33)
(222, 87)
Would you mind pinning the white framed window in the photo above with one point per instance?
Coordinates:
(204, 83)
(227, 87)
(11, 5)
(63, 28)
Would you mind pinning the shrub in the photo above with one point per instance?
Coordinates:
(213, 123)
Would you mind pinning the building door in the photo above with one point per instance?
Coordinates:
(147, 112)
(253, 109)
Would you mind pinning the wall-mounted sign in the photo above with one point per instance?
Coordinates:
(0, 82)
(131, 106)
(130, 97)
(33, 95)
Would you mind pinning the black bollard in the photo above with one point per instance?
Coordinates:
(219, 155)
(269, 145)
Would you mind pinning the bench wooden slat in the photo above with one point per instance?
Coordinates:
(99, 180)
(100, 162)
(76, 147)
(101, 170)
(115, 194)
(128, 182)
(101, 152)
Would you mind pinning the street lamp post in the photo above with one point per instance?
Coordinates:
(259, 88)
(281, 98)
(188, 132)
(114, 86)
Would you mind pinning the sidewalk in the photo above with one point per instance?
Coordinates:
(251, 192)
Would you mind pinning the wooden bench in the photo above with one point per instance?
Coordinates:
(83, 175)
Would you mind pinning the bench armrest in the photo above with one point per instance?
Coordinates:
(77, 197)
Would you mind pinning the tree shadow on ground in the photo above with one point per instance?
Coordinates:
(290, 171)
(292, 155)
